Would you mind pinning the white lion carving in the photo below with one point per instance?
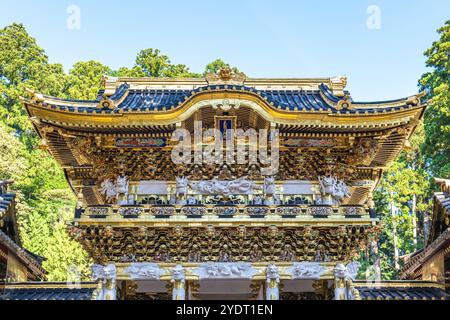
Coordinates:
(273, 281)
(178, 281)
(333, 190)
(111, 190)
(341, 191)
(106, 276)
(181, 186)
(122, 185)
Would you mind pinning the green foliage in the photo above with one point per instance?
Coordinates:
(23, 64)
(125, 72)
(64, 263)
(12, 160)
(42, 191)
(154, 64)
(407, 184)
(85, 80)
(436, 84)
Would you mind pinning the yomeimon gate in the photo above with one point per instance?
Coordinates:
(224, 230)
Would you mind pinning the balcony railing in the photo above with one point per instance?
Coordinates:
(220, 211)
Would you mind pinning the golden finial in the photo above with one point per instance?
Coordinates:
(225, 73)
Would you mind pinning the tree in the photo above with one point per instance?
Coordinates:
(43, 195)
(180, 71)
(85, 80)
(23, 64)
(125, 72)
(12, 160)
(65, 257)
(436, 148)
(155, 64)
(403, 199)
(152, 62)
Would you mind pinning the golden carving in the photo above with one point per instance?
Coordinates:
(221, 244)
(226, 75)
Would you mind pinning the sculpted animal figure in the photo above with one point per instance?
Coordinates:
(178, 281)
(241, 186)
(273, 281)
(333, 190)
(182, 186)
(109, 190)
(343, 281)
(341, 191)
(327, 184)
(122, 185)
(106, 277)
(269, 186)
(112, 190)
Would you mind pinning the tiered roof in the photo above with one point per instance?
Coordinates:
(137, 102)
(9, 237)
(439, 238)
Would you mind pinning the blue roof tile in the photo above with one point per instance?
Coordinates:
(46, 291)
(153, 100)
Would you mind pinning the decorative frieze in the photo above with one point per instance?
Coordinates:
(224, 188)
(162, 211)
(225, 211)
(144, 271)
(193, 211)
(306, 270)
(352, 211)
(140, 142)
(130, 211)
(223, 244)
(224, 270)
(257, 211)
(222, 211)
(98, 211)
(320, 211)
(141, 162)
(289, 211)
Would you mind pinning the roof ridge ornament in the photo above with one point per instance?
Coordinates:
(338, 85)
(415, 100)
(226, 75)
(106, 103)
(345, 103)
(35, 97)
(110, 84)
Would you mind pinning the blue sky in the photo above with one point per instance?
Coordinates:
(282, 38)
